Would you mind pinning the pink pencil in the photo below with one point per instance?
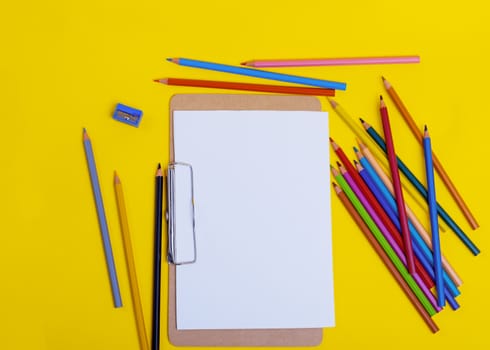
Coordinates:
(348, 61)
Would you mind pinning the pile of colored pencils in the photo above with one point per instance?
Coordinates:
(375, 201)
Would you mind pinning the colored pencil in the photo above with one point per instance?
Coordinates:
(385, 258)
(279, 89)
(429, 170)
(259, 73)
(371, 218)
(155, 339)
(133, 279)
(392, 215)
(361, 134)
(395, 177)
(343, 61)
(379, 210)
(421, 189)
(116, 294)
(371, 164)
(437, 164)
(449, 288)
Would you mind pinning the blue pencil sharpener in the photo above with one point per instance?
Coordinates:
(128, 115)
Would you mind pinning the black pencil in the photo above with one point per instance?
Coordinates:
(155, 339)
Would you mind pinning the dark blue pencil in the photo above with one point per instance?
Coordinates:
(102, 219)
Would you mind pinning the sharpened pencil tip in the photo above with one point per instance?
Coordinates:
(159, 166)
(332, 102)
(380, 98)
(425, 127)
(169, 59)
(362, 120)
(355, 149)
(338, 163)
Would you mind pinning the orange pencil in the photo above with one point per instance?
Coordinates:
(280, 89)
(437, 164)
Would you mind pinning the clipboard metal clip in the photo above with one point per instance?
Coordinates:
(181, 214)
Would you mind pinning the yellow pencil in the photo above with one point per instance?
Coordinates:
(133, 281)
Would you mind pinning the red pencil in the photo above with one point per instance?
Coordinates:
(379, 210)
(280, 89)
(395, 177)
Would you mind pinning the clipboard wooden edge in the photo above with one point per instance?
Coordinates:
(238, 337)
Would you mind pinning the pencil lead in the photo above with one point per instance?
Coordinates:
(355, 149)
(159, 166)
(338, 163)
(170, 59)
(362, 120)
(331, 140)
(383, 78)
(380, 98)
(425, 127)
(355, 162)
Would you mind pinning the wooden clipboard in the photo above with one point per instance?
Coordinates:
(239, 337)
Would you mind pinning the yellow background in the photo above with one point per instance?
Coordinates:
(64, 65)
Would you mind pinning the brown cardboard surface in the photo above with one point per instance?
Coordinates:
(239, 337)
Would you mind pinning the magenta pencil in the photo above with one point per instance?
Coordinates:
(387, 235)
(346, 61)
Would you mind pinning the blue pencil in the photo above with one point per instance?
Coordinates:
(102, 219)
(436, 245)
(258, 73)
(421, 189)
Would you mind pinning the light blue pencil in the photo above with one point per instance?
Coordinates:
(116, 294)
(436, 245)
(258, 73)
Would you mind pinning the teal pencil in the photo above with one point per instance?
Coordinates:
(436, 245)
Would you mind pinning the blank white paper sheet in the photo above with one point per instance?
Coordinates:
(262, 220)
